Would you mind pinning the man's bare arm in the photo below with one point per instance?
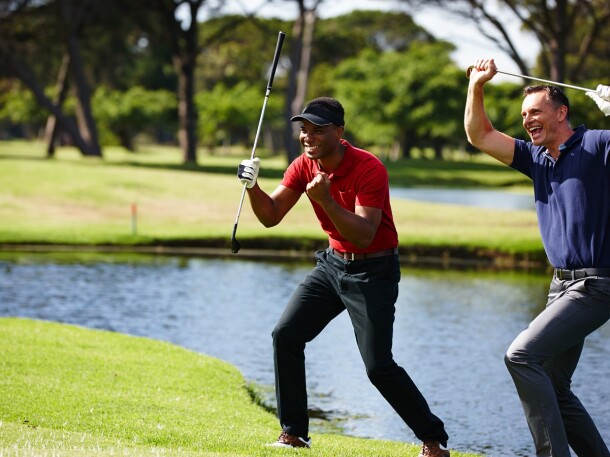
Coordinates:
(479, 129)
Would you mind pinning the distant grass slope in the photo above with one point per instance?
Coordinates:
(74, 200)
(70, 391)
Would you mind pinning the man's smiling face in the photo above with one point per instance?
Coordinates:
(541, 119)
(319, 141)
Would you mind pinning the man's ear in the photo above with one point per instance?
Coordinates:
(563, 112)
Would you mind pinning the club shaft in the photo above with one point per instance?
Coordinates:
(547, 81)
(276, 58)
(554, 83)
(241, 203)
(260, 124)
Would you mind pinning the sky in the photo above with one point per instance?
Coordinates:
(470, 44)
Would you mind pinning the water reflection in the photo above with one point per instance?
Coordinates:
(482, 198)
(451, 331)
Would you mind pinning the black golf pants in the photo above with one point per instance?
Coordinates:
(368, 289)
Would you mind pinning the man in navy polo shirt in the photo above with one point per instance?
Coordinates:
(570, 170)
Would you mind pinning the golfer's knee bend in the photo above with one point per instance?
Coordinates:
(283, 337)
(278, 334)
(516, 357)
(377, 371)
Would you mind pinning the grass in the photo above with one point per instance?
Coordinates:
(70, 391)
(73, 200)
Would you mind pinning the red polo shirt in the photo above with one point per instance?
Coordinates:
(359, 180)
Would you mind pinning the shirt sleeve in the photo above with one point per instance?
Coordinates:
(523, 159)
(294, 176)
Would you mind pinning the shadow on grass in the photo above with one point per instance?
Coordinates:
(403, 173)
(216, 169)
(324, 421)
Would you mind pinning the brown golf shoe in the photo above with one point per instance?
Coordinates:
(433, 449)
(288, 440)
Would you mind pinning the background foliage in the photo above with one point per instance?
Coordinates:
(127, 71)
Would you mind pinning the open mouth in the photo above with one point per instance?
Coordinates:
(535, 132)
(311, 149)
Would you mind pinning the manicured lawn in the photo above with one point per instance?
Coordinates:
(72, 200)
(70, 391)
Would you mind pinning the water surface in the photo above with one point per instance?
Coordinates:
(451, 331)
(482, 198)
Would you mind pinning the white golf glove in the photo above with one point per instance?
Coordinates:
(247, 172)
(602, 97)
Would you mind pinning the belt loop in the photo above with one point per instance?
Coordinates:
(353, 257)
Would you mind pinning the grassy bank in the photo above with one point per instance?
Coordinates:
(70, 391)
(72, 200)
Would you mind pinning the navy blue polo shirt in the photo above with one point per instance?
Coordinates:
(572, 197)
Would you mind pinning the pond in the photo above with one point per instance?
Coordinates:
(451, 331)
(482, 198)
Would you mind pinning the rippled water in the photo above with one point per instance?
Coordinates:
(482, 198)
(451, 331)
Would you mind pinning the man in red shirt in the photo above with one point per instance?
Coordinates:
(349, 191)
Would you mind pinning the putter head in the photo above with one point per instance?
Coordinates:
(235, 246)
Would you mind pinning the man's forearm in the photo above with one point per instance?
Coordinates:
(358, 230)
(476, 122)
(263, 206)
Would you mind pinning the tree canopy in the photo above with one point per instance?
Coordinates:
(109, 72)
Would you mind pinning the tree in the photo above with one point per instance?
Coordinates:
(176, 23)
(300, 66)
(61, 90)
(72, 13)
(123, 114)
(399, 100)
(28, 31)
(552, 22)
(231, 115)
(233, 71)
(162, 20)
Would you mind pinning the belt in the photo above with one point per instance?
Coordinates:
(368, 255)
(580, 273)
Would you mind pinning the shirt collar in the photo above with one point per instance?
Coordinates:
(575, 138)
(347, 162)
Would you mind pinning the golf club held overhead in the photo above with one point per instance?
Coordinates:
(554, 83)
(235, 246)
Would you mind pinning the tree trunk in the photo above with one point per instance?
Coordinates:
(407, 146)
(25, 75)
(51, 129)
(304, 28)
(84, 116)
(185, 49)
(557, 43)
(296, 45)
(438, 150)
(187, 115)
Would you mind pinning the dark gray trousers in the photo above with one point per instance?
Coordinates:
(368, 289)
(543, 358)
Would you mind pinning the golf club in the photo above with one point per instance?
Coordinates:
(235, 246)
(569, 86)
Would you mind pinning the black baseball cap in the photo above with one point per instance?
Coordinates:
(322, 111)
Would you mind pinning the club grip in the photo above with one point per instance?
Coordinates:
(276, 58)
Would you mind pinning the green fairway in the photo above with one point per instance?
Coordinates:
(70, 391)
(75, 200)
